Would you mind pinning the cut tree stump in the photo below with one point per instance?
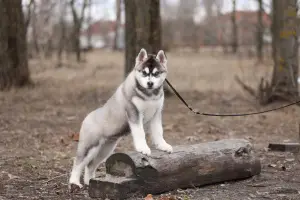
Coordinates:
(188, 166)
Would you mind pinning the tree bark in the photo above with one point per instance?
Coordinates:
(187, 167)
(13, 52)
(77, 20)
(234, 41)
(260, 32)
(143, 29)
(285, 51)
(130, 35)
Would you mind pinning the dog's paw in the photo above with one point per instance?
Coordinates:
(144, 150)
(75, 187)
(165, 147)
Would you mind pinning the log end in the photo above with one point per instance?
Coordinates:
(111, 187)
(130, 166)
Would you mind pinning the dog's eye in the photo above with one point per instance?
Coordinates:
(144, 73)
(156, 74)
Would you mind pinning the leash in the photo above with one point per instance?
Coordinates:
(224, 115)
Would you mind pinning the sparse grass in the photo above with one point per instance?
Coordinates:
(36, 123)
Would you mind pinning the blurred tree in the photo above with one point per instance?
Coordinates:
(285, 54)
(234, 41)
(27, 17)
(213, 10)
(13, 52)
(185, 21)
(89, 22)
(260, 31)
(142, 30)
(118, 22)
(77, 20)
(130, 35)
(34, 29)
(62, 32)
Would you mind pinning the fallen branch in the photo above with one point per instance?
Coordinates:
(56, 177)
(250, 90)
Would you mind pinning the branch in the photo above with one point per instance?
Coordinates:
(250, 90)
(85, 3)
(75, 18)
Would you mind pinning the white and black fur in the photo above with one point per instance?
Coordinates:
(136, 106)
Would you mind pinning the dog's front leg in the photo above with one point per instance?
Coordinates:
(156, 131)
(135, 121)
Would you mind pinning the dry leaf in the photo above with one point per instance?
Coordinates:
(290, 159)
(149, 197)
(272, 165)
(167, 198)
(164, 198)
(74, 136)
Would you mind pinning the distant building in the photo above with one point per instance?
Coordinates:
(218, 29)
(102, 35)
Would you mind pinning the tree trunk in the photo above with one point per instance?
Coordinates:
(34, 31)
(77, 23)
(260, 32)
(130, 35)
(188, 166)
(13, 52)
(142, 30)
(285, 51)
(89, 30)
(77, 45)
(49, 48)
(62, 35)
(234, 41)
(118, 22)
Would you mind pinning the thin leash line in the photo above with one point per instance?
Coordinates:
(224, 115)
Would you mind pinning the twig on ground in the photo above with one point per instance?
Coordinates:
(56, 177)
(250, 90)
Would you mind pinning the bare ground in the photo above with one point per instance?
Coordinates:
(36, 124)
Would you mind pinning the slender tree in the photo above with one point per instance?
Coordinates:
(260, 31)
(62, 32)
(77, 20)
(89, 21)
(13, 52)
(234, 41)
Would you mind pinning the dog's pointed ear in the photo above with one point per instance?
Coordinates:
(142, 56)
(161, 57)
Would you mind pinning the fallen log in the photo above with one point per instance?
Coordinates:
(188, 166)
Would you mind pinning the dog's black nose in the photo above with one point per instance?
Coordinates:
(150, 84)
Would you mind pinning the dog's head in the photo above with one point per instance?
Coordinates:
(150, 70)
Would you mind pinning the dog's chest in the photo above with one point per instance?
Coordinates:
(146, 108)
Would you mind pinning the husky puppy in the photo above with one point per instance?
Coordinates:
(136, 106)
